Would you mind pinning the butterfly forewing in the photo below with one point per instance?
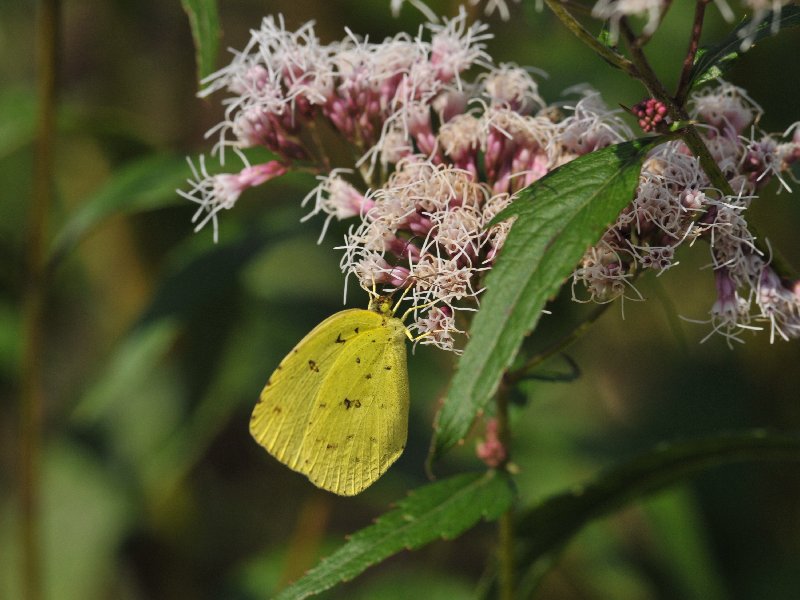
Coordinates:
(280, 419)
(359, 422)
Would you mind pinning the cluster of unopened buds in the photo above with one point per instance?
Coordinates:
(651, 114)
(440, 156)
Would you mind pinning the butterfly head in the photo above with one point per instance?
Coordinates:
(381, 305)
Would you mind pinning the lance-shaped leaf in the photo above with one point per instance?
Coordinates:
(712, 62)
(204, 21)
(547, 526)
(444, 509)
(558, 218)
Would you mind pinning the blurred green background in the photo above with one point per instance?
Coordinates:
(158, 343)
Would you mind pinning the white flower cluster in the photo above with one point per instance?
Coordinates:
(437, 156)
(653, 10)
(676, 203)
(426, 227)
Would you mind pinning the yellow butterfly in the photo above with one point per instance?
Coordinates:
(336, 408)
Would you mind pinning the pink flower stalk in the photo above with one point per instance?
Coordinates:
(216, 192)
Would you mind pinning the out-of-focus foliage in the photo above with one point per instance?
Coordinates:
(158, 343)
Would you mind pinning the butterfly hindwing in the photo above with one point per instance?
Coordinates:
(359, 422)
(280, 418)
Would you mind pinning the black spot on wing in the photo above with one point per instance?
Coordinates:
(313, 366)
(339, 339)
(348, 404)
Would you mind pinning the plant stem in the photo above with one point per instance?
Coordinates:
(645, 73)
(694, 42)
(505, 528)
(31, 392)
(614, 58)
(505, 525)
(513, 377)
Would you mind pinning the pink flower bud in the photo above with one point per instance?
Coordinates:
(491, 450)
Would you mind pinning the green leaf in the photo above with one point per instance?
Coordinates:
(556, 375)
(443, 509)
(678, 527)
(204, 21)
(710, 63)
(558, 217)
(546, 527)
(129, 373)
(144, 184)
(17, 118)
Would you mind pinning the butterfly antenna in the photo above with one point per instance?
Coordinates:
(397, 305)
(415, 308)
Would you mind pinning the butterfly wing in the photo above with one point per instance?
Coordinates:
(280, 419)
(359, 422)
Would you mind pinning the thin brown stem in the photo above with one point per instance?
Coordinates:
(614, 58)
(517, 375)
(694, 42)
(645, 73)
(31, 392)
